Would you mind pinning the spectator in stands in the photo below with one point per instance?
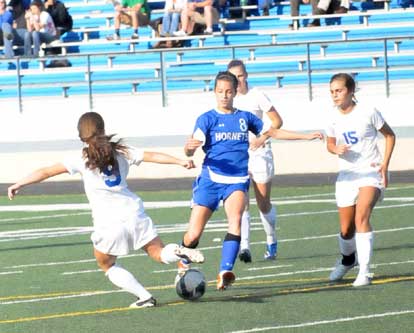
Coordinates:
(294, 9)
(19, 8)
(329, 7)
(60, 15)
(40, 28)
(203, 12)
(171, 18)
(135, 13)
(6, 23)
(10, 35)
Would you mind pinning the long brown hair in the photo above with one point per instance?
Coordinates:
(100, 152)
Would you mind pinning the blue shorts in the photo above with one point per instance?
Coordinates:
(209, 194)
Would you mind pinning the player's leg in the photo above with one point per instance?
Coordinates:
(171, 253)
(245, 254)
(268, 216)
(346, 193)
(123, 279)
(234, 205)
(364, 237)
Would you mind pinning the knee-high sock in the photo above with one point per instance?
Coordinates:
(126, 281)
(245, 231)
(231, 245)
(269, 224)
(364, 245)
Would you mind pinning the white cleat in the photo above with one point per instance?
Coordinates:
(340, 270)
(362, 280)
(190, 255)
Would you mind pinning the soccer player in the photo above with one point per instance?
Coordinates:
(261, 164)
(223, 134)
(120, 222)
(363, 174)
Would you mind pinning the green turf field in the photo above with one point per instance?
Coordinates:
(49, 281)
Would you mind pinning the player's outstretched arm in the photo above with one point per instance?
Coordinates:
(36, 177)
(162, 158)
(282, 134)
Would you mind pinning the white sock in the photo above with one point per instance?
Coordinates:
(245, 231)
(364, 245)
(269, 225)
(168, 255)
(126, 281)
(346, 246)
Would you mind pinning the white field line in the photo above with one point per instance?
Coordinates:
(267, 267)
(166, 204)
(213, 226)
(94, 293)
(84, 272)
(11, 272)
(325, 322)
(203, 249)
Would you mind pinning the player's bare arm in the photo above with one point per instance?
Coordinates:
(335, 149)
(36, 176)
(162, 158)
(191, 146)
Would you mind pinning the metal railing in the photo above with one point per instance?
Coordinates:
(233, 51)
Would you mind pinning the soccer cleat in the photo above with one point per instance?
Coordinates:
(362, 280)
(190, 255)
(340, 270)
(148, 303)
(225, 279)
(245, 255)
(271, 252)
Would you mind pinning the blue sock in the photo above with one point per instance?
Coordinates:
(231, 246)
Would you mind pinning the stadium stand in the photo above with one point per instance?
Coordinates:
(371, 43)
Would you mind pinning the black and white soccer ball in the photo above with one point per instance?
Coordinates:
(192, 285)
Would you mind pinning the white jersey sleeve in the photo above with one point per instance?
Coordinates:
(135, 155)
(74, 164)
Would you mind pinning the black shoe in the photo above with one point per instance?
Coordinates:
(315, 23)
(319, 11)
(265, 11)
(245, 256)
(292, 26)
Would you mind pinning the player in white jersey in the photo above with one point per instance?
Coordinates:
(120, 222)
(261, 164)
(363, 174)
(223, 134)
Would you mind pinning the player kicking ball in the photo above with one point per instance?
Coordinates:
(119, 220)
(223, 134)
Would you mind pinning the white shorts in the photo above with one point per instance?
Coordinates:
(261, 165)
(118, 239)
(348, 184)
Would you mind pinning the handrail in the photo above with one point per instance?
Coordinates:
(163, 64)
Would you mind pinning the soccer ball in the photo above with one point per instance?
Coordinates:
(191, 285)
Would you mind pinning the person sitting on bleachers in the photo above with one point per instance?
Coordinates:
(40, 28)
(294, 9)
(171, 18)
(326, 7)
(60, 15)
(203, 12)
(135, 13)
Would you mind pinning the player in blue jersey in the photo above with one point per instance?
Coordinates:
(223, 134)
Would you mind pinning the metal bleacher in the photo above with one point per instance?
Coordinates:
(373, 43)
